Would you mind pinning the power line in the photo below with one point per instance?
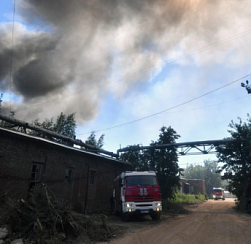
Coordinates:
(168, 109)
(188, 110)
(211, 105)
(152, 67)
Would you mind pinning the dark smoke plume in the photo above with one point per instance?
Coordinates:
(65, 51)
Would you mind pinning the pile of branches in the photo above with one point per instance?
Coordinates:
(43, 219)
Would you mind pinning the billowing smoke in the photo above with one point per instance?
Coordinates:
(66, 53)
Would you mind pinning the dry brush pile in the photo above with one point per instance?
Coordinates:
(43, 219)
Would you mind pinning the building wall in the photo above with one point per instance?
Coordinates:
(70, 174)
(194, 186)
(199, 186)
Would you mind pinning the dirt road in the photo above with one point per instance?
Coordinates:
(209, 222)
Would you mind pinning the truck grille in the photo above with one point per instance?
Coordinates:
(143, 205)
(143, 198)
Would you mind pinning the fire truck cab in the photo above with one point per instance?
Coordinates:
(137, 192)
(218, 193)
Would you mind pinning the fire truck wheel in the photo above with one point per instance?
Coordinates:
(249, 208)
(125, 217)
(155, 216)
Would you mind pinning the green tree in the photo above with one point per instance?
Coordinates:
(91, 140)
(236, 157)
(194, 172)
(139, 159)
(166, 162)
(247, 86)
(47, 124)
(208, 172)
(64, 125)
(212, 175)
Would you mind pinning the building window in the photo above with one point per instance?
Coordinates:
(69, 175)
(36, 174)
(92, 177)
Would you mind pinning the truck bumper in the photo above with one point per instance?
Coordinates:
(218, 197)
(142, 207)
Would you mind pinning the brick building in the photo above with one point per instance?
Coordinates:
(193, 186)
(82, 178)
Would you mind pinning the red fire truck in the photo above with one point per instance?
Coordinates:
(137, 192)
(218, 193)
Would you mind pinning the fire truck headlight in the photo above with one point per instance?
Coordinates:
(158, 204)
(157, 209)
(130, 210)
(128, 205)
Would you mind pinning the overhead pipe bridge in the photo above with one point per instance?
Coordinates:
(184, 148)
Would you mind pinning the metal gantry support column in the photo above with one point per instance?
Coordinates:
(152, 159)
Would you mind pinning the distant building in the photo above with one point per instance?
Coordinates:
(84, 179)
(193, 186)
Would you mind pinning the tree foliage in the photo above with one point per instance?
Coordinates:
(247, 87)
(92, 140)
(208, 172)
(64, 125)
(166, 162)
(140, 160)
(236, 157)
(163, 161)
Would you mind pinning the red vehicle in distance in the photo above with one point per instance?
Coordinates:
(218, 193)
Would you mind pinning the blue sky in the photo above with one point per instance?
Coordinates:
(112, 69)
(5, 10)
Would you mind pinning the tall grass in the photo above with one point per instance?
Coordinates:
(187, 198)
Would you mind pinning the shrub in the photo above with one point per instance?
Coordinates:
(186, 198)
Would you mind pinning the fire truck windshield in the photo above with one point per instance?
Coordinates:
(217, 190)
(141, 180)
